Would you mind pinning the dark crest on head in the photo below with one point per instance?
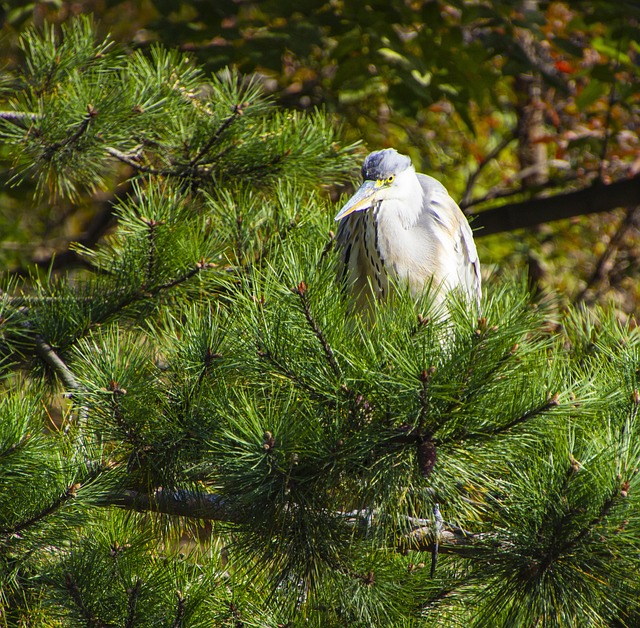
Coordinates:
(383, 163)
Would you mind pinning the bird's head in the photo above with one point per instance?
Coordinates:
(383, 172)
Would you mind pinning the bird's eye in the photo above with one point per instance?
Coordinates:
(390, 179)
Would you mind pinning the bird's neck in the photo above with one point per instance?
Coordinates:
(404, 208)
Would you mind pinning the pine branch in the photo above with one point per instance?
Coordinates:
(289, 374)
(605, 509)
(465, 389)
(260, 168)
(7, 451)
(201, 265)
(133, 593)
(128, 432)
(74, 592)
(178, 620)
(141, 295)
(426, 452)
(72, 139)
(239, 239)
(301, 291)
(451, 539)
(238, 110)
(69, 493)
(53, 360)
(425, 379)
(450, 542)
(460, 435)
(151, 256)
(550, 557)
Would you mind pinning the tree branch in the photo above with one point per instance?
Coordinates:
(132, 161)
(79, 132)
(285, 371)
(211, 507)
(179, 503)
(52, 359)
(178, 620)
(141, 294)
(449, 541)
(552, 402)
(596, 198)
(134, 593)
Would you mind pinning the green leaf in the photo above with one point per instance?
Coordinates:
(593, 90)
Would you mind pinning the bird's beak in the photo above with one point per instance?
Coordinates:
(362, 199)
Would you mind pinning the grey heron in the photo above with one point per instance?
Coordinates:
(404, 225)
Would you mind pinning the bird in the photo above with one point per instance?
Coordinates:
(403, 227)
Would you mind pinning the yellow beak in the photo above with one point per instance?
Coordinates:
(361, 200)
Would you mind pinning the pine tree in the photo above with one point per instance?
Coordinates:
(197, 429)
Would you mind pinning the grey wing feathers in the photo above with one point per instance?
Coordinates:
(470, 264)
(445, 211)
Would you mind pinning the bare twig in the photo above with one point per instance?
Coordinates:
(598, 274)
(490, 156)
